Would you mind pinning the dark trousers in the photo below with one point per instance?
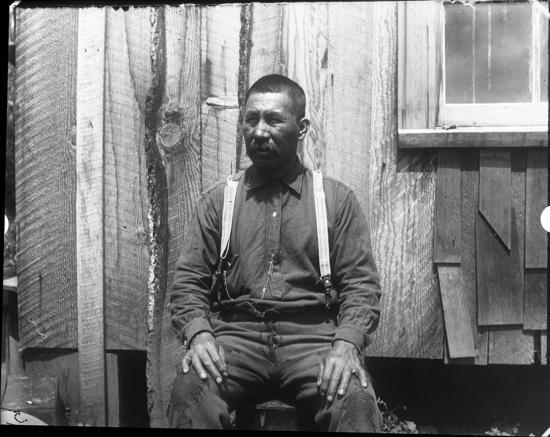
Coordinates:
(274, 358)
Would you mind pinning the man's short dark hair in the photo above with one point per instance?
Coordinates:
(276, 83)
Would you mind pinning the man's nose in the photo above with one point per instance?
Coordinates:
(260, 132)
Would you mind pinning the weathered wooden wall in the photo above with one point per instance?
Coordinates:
(165, 125)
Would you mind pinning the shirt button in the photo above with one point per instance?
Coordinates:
(274, 214)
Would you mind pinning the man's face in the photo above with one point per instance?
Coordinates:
(271, 131)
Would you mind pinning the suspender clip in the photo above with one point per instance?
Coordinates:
(327, 285)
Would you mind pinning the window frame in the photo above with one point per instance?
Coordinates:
(495, 114)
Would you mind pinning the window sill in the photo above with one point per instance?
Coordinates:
(464, 137)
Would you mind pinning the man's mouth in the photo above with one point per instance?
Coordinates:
(263, 149)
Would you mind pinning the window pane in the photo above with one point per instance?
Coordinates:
(488, 53)
(544, 55)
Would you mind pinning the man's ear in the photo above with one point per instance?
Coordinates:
(304, 127)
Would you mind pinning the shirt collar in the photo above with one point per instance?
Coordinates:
(292, 178)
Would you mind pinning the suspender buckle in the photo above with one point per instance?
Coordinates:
(327, 285)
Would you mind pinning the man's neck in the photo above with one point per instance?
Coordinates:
(278, 172)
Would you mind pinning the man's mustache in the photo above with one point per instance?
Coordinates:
(268, 146)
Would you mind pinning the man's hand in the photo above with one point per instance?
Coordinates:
(336, 369)
(206, 353)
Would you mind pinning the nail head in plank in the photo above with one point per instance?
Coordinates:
(536, 193)
(90, 213)
(535, 314)
(447, 228)
(457, 320)
(499, 277)
(495, 190)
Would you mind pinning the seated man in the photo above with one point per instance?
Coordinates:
(276, 331)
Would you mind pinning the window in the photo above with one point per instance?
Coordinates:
(494, 64)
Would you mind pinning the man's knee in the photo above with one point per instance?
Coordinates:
(360, 411)
(190, 399)
(355, 411)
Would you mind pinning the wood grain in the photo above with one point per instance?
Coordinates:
(447, 228)
(494, 192)
(535, 306)
(469, 168)
(219, 79)
(347, 103)
(63, 364)
(113, 398)
(536, 192)
(264, 50)
(177, 127)
(468, 137)
(457, 320)
(90, 160)
(396, 191)
(500, 277)
(419, 72)
(45, 123)
(305, 54)
(126, 256)
(512, 344)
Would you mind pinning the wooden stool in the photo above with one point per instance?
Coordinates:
(275, 416)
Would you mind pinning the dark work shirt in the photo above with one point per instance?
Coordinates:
(275, 219)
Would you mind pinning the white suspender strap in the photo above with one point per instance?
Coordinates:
(322, 226)
(227, 215)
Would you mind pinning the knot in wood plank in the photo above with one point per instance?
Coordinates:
(169, 135)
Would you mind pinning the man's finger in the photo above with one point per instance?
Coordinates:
(224, 362)
(320, 373)
(326, 376)
(335, 378)
(197, 365)
(218, 364)
(344, 381)
(363, 377)
(185, 363)
(208, 363)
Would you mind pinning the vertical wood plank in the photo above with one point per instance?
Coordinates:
(512, 344)
(420, 69)
(264, 50)
(266, 33)
(127, 78)
(457, 320)
(113, 399)
(494, 192)
(174, 132)
(348, 154)
(45, 124)
(220, 31)
(536, 192)
(469, 168)
(447, 227)
(90, 139)
(500, 268)
(305, 57)
(500, 278)
(535, 309)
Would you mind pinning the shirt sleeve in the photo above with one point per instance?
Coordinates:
(354, 275)
(192, 280)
